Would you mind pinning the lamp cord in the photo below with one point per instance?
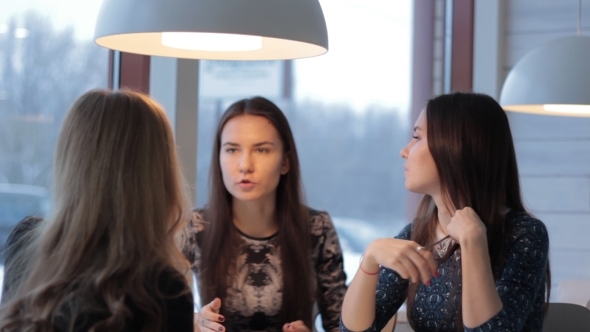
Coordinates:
(579, 17)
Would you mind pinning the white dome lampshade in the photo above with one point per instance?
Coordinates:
(214, 29)
(553, 79)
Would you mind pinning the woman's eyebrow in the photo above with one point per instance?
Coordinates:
(264, 143)
(230, 143)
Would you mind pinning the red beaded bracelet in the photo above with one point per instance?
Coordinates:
(365, 272)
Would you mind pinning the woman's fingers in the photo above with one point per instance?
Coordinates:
(215, 304)
(408, 270)
(415, 268)
(412, 264)
(202, 324)
(404, 257)
(209, 325)
(424, 267)
(210, 314)
(210, 318)
(296, 326)
(197, 322)
(431, 262)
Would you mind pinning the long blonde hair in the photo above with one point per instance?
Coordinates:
(119, 205)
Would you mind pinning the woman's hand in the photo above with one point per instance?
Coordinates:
(407, 258)
(465, 226)
(209, 319)
(297, 326)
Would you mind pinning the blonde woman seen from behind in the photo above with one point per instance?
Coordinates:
(107, 258)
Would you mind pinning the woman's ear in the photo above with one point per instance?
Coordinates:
(285, 166)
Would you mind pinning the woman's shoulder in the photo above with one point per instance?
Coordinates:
(406, 232)
(315, 214)
(21, 235)
(198, 223)
(199, 213)
(22, 228)
(321, 224)
(319, 218)
(177, 300)
(16, 255)
(171, 282)
(521, 223)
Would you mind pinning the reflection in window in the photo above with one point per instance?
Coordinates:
(47, 59)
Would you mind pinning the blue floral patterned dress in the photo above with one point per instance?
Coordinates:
(521, 285)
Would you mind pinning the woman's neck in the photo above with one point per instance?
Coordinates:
(443, 217)
(255, 218)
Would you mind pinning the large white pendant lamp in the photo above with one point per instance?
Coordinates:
(214, 29)
(553, 79)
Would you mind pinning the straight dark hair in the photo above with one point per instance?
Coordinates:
(218, 250)
(470, 141)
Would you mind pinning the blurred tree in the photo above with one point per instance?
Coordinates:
(42, 71)
(350, 159)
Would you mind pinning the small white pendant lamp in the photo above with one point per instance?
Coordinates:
(553, 79)
(214, 29)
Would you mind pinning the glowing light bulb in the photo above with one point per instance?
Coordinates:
(565, 108)
(211, 41)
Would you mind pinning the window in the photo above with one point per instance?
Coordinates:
(47, 59)
(349, 111)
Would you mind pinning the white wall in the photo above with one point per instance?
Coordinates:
(553, 152)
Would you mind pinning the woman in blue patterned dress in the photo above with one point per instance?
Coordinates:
(473, 259)
(261, 256)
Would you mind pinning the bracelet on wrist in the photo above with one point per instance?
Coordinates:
(363, 270)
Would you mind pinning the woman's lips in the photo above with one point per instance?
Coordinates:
(246, 184)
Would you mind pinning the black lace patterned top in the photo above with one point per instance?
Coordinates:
(254, 300)
(521, 285)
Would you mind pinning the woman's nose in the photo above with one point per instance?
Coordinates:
(246, 164)
(404, 152)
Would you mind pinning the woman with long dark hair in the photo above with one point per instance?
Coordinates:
(262, 258)
(108, 257)
(473, 259)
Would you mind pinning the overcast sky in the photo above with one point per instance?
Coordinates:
(368, 61)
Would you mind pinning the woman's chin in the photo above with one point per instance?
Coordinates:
(414, 189)
(409, 187)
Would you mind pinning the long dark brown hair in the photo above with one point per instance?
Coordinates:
(470, 141)
(218, 244)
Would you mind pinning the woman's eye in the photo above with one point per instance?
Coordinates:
(415, 137)
(230, 150)
(262, 150)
